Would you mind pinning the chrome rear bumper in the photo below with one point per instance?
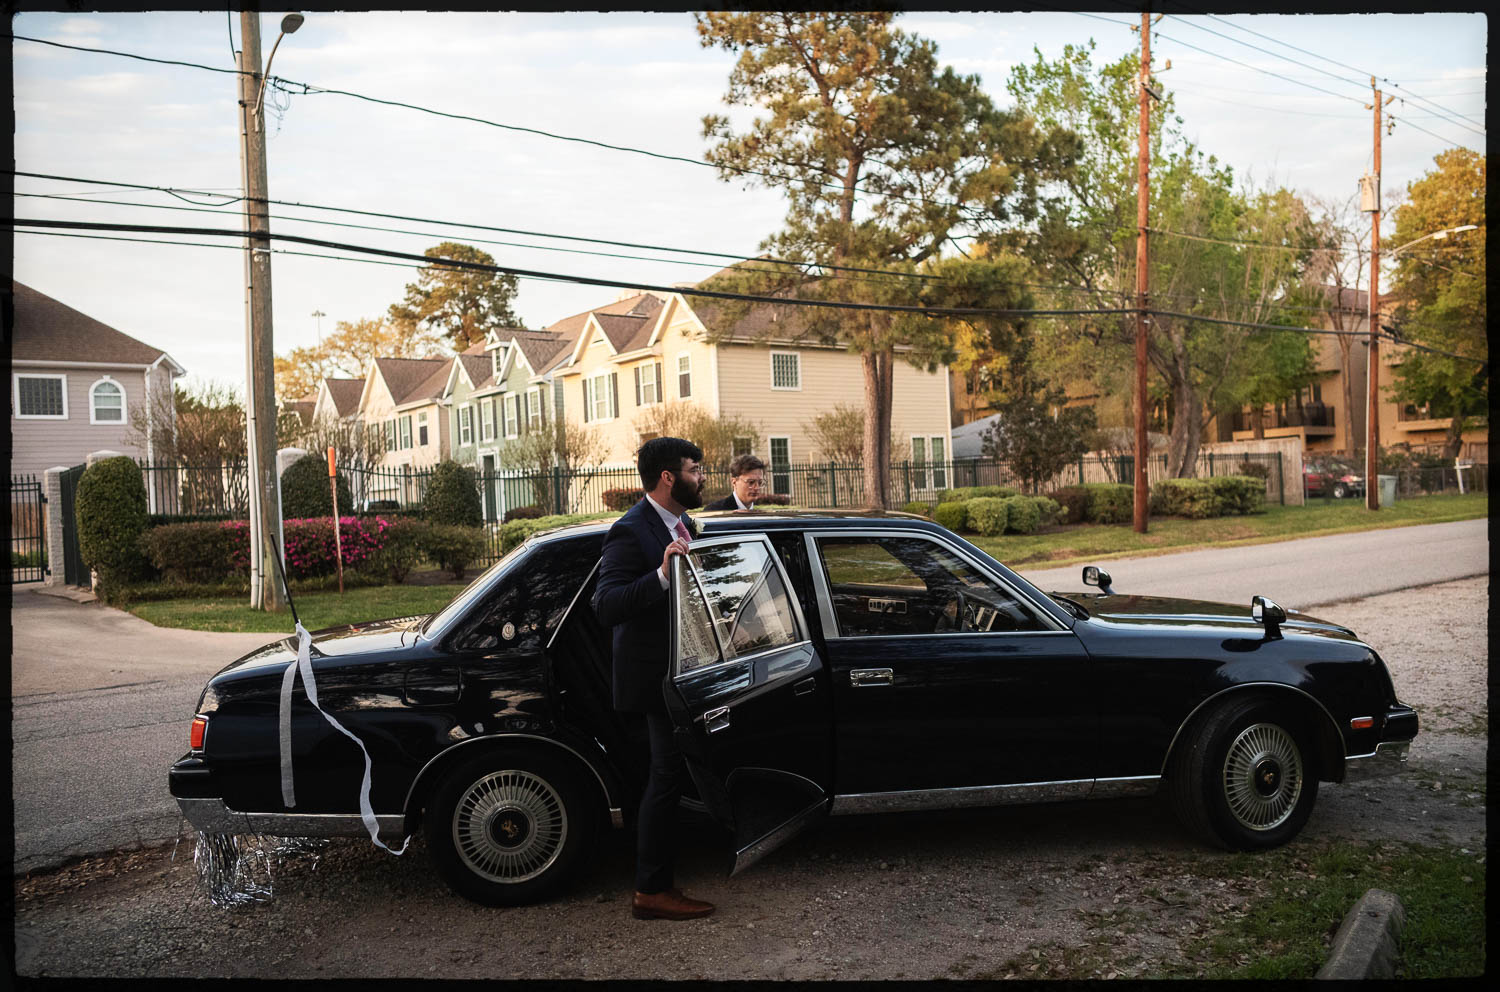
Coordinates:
(212, 816)
(1388, 758)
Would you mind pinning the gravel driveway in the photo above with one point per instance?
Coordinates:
(916, 896)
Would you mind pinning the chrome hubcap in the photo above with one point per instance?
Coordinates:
(1262, 776)
(509, 826)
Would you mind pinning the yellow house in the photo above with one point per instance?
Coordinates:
(402, 397)
(646, 349)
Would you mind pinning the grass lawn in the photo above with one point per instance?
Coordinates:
(317, 609)
(1094, 542)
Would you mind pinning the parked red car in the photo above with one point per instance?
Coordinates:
(1322, 476)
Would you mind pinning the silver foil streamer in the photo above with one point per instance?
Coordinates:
(240, 869)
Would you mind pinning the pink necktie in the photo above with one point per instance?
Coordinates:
(682, 532)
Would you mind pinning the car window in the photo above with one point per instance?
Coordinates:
(733, 600)
(894, 586)
(527, 604)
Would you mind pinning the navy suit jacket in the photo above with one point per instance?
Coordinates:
(727, 503)
(629, 597)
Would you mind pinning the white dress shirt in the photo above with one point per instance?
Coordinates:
(669, 520)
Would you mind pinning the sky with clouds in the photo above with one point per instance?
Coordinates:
(635, 79)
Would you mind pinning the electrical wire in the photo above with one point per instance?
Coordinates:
(139, 58)
(1266, 51)
(531, 274)
(1439, 107)
(234, 56)
(1268, 72)
(1446, 141)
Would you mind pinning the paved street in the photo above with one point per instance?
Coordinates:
(1299, 574)
(101, 700)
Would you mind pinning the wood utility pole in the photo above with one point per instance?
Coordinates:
(266, 592)
(1142, 271)
(1372, 424)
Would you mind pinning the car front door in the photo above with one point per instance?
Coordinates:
(947, 680)
(749, 694)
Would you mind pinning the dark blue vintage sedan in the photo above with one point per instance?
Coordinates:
(824, 663)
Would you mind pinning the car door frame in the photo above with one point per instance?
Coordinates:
(705, 754)
(934, 797)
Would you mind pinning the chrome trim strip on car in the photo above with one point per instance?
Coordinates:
(819, 571)
(1244, 685)
(213, 816)
(960, 796)
(411, 790)
(754, 851)
(1130, 785)
(571, 603)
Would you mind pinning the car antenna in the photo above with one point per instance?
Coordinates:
(287, 586)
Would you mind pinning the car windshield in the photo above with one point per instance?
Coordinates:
(465, 599)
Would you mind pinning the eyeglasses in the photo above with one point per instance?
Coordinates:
(754, 483)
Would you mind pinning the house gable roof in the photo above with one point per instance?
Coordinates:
(46, 330)
(625, 325)
(402, 377)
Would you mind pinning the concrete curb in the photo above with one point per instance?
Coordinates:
(77, 594)
(1366, 944)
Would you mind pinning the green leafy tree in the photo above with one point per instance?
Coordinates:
(305, 491)
(1035, 442)
(452, 496)
(1085, 237)
(885, 159)
(459, 304)
(1440, 295)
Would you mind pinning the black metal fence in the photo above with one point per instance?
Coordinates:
(28, 538)
(197, 490)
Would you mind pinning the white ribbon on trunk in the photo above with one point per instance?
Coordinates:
(303, 665)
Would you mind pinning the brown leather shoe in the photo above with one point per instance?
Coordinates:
(668, 905)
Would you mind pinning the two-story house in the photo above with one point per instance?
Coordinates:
(76, 383)
(403, 399)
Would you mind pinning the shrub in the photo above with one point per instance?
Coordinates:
(522, 513)
(304, 489)
(157, 519)
(1050, 509)
(774, 499)
(198, 552)
(1022, 515)
(111, 515)
(988, 515)
(1073, 504)
(403, 543)
(921, 509)
(975, 492)
(452, 496)
(311, 549)
(454, 548)
(954, 515)
(1192, 498)
(1110, 502)
(1258, 469)
(517, 531)
(622, 499)
(1239, 493)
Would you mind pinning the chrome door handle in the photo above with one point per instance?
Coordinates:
(870, 676)
(715, 720)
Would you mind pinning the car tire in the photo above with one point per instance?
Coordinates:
(1340, 490)
(1245, 779)
(511, 827)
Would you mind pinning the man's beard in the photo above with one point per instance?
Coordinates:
(687, 495)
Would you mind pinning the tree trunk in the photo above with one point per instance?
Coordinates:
(886, 357)
(1258, 421)
(1453, 442)
(1352, 444)
(876, 475)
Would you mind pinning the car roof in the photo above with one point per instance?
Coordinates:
(717, 522)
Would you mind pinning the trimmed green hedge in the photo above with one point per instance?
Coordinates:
(1110, 502)
(452, 496)
(988, 515)
(954, 516)
(304, 489)
(1240, 493)
(453, 547)
(515, 532)
(921, 509)
(404, 543)
(1073, 504)
(975, 492)
(1191, 498)
(110, 509)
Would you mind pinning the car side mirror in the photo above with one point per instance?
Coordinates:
(1263, 611)
(1093, 575)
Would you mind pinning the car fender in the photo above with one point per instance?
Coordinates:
(590, 757)
(1330, 739)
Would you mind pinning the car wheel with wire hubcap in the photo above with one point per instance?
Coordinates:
(1340, 490)
(508, 828)
(1245, 780)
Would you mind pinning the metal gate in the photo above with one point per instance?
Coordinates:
(75, 572)
(28, 537)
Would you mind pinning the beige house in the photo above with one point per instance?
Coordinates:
(74, 384)
(647, 349)
(402, 398)
(337, 399)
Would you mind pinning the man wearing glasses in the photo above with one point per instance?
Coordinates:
(747, 481)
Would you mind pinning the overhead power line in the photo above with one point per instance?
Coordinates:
(563, 277)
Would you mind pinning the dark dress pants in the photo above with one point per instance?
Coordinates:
(656, 826)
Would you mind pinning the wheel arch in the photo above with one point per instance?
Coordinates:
(1329, 742)
(596, 771)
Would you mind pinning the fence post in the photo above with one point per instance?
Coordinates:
(1280, 483)
(833, 485)
(906, 473)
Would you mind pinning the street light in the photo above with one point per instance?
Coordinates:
(289, 24)
(1372, 419)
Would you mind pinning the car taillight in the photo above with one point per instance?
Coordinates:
(195, 734)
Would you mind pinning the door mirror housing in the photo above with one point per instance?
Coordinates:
(1093, 575)
(1265, 612)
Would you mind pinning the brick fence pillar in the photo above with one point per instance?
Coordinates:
(52, 513)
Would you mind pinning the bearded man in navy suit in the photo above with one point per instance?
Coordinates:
(631, 597)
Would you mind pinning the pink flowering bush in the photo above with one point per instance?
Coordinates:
(310, 546)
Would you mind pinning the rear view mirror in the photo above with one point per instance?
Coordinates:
(1265, 612)
(1093, 575)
